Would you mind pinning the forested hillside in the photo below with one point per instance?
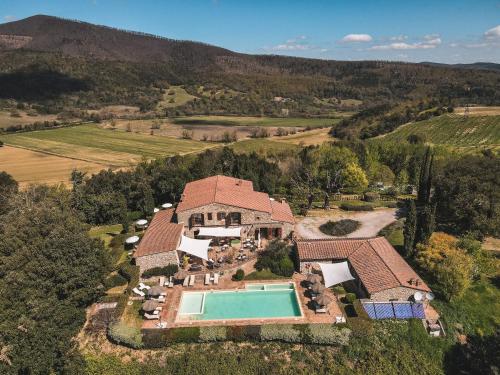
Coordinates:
(55, 65)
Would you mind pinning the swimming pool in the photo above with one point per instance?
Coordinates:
(256, 301)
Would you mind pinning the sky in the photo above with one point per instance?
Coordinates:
(445, 31)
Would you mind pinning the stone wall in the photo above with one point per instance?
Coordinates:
(399, 293)
(157, 260)
(250, 219)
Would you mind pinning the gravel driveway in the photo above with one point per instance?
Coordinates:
(371, 222)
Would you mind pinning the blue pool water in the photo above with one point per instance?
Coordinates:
(257, 301)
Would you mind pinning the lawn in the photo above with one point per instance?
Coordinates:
(256, 121)
(105, 232)
(108, 147)
(452, 130)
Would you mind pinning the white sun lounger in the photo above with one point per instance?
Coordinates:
(186, 281)
(138, 292)
(171, 282)
(144, 286)
(162, 280)
(207, 278)
(151, 316)
(216, 278)
(191, 280)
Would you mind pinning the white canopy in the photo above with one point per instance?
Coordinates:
(132, 240)
(194, 247)
(220, 232)
(335, 273)
(141, 222)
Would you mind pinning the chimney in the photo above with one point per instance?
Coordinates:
(283, 200)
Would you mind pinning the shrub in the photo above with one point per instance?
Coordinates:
(123, 334)
(169, 270)
(276, 258)
(328, 334)
(339, 289)
(339, 228)
(371, 197)
(350, 297)
(360, 327)
(183, 334)
(351, 206)
(129, 272)
(212, 334)
(239, 275)
(235, 333)
(282, 332)
(114, 280)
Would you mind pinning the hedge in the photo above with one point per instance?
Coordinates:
(213, 334)
(131, 273)
(340, 228)
(125, 335)
(284, 333)
(350, 206)
(168, 271)
(328, 334)
(239, 275)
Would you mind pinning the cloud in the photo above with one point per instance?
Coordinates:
(430, 41)
(9, 18)
(398, 38)
(299, 43)
(350, 38)
(493, 33)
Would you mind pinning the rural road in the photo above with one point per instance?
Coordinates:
(371, 222)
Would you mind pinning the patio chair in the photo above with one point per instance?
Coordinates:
(161, 299)
(191, 280)
(320, 309)
(216, 278)
(138, 292)
(162, 280)
(144, 286)
(151, 316)
(207, 278)
(186, 281)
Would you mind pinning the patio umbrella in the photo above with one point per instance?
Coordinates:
(313, 278)
(323, 299)
(132, 240)
(180, 275)
(149, 305)
(317, 288)
(155, 290)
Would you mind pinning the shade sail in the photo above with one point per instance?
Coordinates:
(220, 232)
(198, 248)
(335, 273)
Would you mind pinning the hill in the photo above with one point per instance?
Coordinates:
(53, 65)
(452, 130)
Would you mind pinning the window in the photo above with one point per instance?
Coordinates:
(235, 218)
(221, 216)
(197, 219)
(209, 216)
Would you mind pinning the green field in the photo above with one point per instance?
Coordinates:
(109, 147)
(264, 147)
(256, 121)
(174, 96)
(452, 130)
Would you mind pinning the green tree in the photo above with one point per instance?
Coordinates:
(354, 178)
(8, 188)
(410, 229)
(51, 271)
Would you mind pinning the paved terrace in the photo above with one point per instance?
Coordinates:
(170, 307)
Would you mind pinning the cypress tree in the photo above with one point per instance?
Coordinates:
(410, 229)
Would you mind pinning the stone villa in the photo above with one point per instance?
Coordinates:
(381, 273)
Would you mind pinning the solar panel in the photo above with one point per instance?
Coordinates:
(384, 310)
(418, 310)
(370, 310)
(402, 310)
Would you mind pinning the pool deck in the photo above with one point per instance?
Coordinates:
(170, 307)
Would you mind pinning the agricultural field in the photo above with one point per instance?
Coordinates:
(264, 147)
(256, 121)
(111, 148)
(174, 96)
(452, 130)
(22, 118)
(307, 138)
(29, 167)
(479, 111)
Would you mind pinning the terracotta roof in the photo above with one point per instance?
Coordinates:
(281, 212)
(377, 264)
(232, 192)
(162, 235)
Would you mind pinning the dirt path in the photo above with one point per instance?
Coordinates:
(371, 222)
